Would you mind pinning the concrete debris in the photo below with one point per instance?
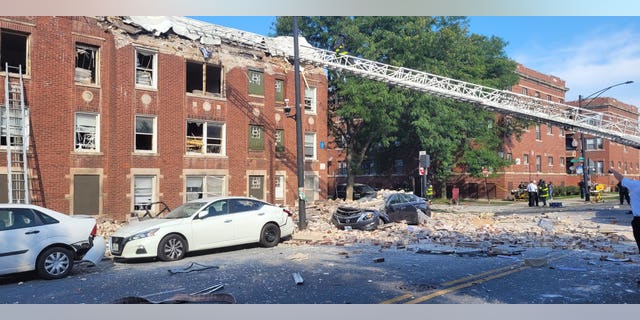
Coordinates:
(298, 257)
(297, 278)
(470, 226)
(193, 266)
(535, 262)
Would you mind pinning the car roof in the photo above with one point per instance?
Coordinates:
(216, 198)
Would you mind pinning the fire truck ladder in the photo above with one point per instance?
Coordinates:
(16, 129)
(610, 126)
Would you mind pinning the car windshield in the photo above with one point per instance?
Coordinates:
(185, 210)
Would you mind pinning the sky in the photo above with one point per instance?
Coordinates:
(589, 52)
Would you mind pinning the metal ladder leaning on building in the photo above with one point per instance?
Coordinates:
(16, 132)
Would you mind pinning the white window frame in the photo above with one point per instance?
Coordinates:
(315, 189)
(143, 194)
(204, 138)
(308, 136)
(153, 68)
(310, 100)
(154, 134)
(87, 140)
(280, 186)
(207, 186)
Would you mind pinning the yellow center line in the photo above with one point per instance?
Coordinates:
(468, 281)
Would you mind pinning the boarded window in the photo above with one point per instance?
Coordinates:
(279, 140)
(279, 90)
(256, 82)
(86, 194)
(256, 138)
(256, 187)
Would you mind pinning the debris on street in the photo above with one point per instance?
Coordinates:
(297, 278)
(193, 266)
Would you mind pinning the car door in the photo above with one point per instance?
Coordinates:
(213, 229)
(22, 234)
(249, 216)
(398, 208)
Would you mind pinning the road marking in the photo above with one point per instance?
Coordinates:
(468, 281)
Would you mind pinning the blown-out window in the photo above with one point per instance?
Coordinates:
(146, 68)
(205, 137)
(87, 132)
(203, 78)
(86, 64)
(13, 51)
(204, 186)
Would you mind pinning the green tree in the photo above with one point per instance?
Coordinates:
(376, 119)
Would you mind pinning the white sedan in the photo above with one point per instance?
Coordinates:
(203, 224)
(50, 242)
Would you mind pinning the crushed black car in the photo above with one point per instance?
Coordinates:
(360, 191)
(407, 207)
(358, 218)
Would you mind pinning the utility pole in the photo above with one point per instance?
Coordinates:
(302, 214)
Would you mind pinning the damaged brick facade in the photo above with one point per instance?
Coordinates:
(155, 116)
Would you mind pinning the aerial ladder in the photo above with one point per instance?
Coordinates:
(16, 132)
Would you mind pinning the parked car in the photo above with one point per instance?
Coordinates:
(47, 241)
(360, 191)
(203, 224)
(406, 207)
(358, 218)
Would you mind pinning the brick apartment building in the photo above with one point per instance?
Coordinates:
(126, 111)
(543, 151)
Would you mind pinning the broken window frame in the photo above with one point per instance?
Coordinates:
(8, 53)
(146, 66)
(205, 137)
(310, 100)
(87, 58)
(16, 139)
(86, 134)
(203, 78)
(141, 135)
(256, 82)
(256, 137)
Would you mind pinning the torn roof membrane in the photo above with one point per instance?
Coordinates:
(211, 34)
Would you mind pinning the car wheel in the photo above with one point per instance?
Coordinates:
(172, 247)
(55, 263)
(270, 235)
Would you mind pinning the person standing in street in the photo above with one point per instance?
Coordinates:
(634, 194)
(550, 187)
(532, 189)
(543, 192)
(623, 193)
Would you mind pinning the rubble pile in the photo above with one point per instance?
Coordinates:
(467, 226)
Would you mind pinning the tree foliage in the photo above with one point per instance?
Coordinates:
(385, 122)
